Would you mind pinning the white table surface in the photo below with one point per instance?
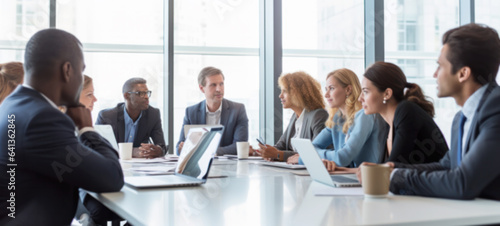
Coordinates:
(252, 194)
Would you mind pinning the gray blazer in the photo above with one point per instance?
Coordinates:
(314, 122)
(233, 118)
(477, 176)
(149, 125)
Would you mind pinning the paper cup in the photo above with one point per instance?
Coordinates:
(375, 180)
(125, 151)
(242, 148)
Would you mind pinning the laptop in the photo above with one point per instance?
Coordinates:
(106, 131)
(189, 127)
(317, 169)
(194, 162)
(282, 165)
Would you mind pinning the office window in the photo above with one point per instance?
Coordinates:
(120, 41)
(222, 34)
(321, 36)
(109, 72)
(20, 20)
(487, 13)
(413, 32)
(105, 21)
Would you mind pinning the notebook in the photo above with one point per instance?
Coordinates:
(194, 162)
(318, 171)
(106, 131)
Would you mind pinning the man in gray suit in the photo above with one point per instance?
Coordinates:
(467, 69)
(136, 121)
(215, 110)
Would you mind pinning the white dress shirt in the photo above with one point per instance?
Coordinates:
(213, 118)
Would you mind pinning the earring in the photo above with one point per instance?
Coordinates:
(384, 102)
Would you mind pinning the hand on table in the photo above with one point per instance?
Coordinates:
(329, 165)
(269, 152)
(294, 159)
(253, 152)
(147, 151)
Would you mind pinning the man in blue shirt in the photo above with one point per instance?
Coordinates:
(136, 121)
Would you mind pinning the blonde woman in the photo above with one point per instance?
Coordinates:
(11, 75)
(355, 136)
(87, 97)
(301, 93)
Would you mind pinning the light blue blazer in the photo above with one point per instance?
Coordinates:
(364, 141)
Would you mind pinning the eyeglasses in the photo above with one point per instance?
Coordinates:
(142, 93)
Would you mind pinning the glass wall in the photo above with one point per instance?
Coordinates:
(120, 42)
(321, 36)
(413, 33)
(222, 34)
(487, 13)
(126, 40)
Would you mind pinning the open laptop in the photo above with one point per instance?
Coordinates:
(317, 169)
(194, 162)
(106, 131)
(189, 127)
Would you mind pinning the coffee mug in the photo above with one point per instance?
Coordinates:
(375, 180)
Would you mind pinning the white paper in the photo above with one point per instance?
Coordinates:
(332, 191)
(144, 160)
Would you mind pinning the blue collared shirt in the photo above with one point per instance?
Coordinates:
(130, 126)
(469, 110)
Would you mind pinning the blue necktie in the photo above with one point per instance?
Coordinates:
(460, 137)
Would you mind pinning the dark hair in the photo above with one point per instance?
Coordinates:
(476, 46)
(206, 72)
(385, 75)
(49, 47)
(129, 84)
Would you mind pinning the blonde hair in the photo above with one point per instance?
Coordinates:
(86, 81)
(11, 75)
(304, 90)
(346, 77)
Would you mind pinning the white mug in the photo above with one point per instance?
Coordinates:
(125, 151)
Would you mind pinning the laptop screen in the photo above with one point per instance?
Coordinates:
(198, 151)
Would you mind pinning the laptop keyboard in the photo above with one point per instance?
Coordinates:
(342, 179)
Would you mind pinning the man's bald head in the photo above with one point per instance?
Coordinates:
(48, 49)
(54, 65)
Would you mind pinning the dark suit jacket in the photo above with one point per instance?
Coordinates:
(233, 118)
(149, 125)
(314, 122)
(52, 163)
(416, 137)
(477, 176)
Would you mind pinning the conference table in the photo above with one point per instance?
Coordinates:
(243, 192)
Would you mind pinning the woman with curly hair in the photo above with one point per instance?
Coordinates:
(11, 75)
(301, 93)
(355, 136)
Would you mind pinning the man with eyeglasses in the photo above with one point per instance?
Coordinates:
(136, 121)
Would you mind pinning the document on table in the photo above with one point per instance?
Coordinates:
(155, 169)
(332, 191)
(155, 160)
